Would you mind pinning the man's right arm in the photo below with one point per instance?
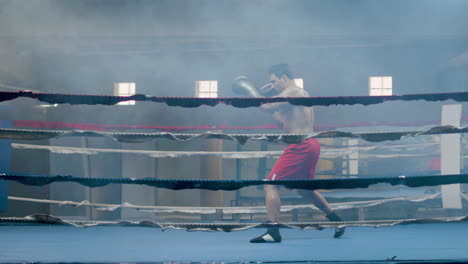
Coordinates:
(285, 93)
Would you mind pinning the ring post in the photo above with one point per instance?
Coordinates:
(5, 157)
(451, 156)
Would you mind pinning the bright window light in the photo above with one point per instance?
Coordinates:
(124, 89)
(299, 82)
(207, 89)
(380, 85)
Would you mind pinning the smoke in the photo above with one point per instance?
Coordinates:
(166, 45)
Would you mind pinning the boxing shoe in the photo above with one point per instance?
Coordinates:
(271, 236)
(339, 231)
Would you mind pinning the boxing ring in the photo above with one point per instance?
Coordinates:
(415, 229)
(53, 244)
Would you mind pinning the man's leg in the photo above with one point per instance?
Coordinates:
(318, 200)
(273, 207)
(273, 203)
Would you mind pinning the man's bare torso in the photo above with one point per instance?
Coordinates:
(295, 119)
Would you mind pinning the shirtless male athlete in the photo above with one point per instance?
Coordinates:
(298, 161)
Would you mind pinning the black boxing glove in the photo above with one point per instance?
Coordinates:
(267, 90)
(242, 86)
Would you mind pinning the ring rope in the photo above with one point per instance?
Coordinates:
(228, 210)
(324, 153)
(26, 134)
(152, 153)
(224, 226)
(235, 102)
(324, 148)
(229, 185)
(106, 127)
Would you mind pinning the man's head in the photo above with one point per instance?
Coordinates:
(280, 76)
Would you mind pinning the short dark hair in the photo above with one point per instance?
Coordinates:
(280, 70)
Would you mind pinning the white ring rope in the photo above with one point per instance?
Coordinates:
(27, 134)
(228, 210)
(326, 153)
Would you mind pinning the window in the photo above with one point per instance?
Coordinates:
(380, 85)
(206, 89)
(124, 89)
(351, 161)
(299, 82)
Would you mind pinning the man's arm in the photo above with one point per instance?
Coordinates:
(287, 93)
(273, 106)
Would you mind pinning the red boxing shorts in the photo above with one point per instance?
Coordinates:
(297, 162)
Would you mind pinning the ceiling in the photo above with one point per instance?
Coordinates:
(37, 32)
(144, 26)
